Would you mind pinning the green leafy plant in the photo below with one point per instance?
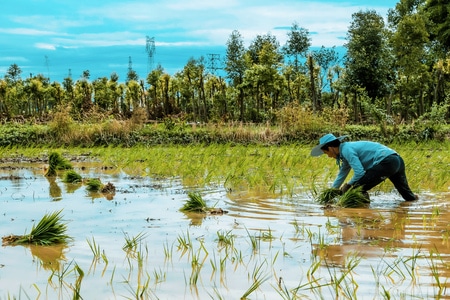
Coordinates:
(49, 231)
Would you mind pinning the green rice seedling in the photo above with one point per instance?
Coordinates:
(55, 163)
(77, 285)
(217, 294)
(225, 239)
(131, 243)
(213, 265)
(71, 176)
(258, 279)
(267, 235)
(353, 198)
(141, 291)
(328, 196)
(297, 226)
(342, 281)
(435, 270)
(194, 204)
(95, 249)
(49, 231)
(254, 241)
(168, 251)
(97, 255)
(184, 242)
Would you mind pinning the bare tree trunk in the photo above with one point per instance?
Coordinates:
(312, 83)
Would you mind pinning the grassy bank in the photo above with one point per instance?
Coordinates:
(112, 132)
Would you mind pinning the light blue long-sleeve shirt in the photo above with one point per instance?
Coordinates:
(359, 156)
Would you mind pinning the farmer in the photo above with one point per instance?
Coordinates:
(371, 162)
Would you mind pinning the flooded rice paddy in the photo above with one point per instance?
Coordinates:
(136, 244)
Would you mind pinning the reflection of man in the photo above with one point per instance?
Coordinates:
(371, 162)
(365, 233)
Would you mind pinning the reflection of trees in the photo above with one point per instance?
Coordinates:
(49, 256)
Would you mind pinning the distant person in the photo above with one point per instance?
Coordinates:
(371, 162)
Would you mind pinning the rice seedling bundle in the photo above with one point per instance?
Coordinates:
(94, 185)
(327, 196)
(57, 162)
(353, 198)
(195, 203)
(49, 231)
(72, 177)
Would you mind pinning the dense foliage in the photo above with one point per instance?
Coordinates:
(392, 74)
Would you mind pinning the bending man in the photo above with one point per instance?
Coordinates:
(371, 162)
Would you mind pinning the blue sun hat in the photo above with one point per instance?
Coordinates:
(317, 151)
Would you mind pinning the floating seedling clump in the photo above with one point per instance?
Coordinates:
(353, 198)
(94, 185)
(49, 231)
(195, 203)
(72, 177)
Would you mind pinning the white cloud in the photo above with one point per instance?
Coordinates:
(13, 58)
(26, 31)
(196, 22)
(45, 46)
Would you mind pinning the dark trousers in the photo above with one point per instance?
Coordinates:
(392, 167)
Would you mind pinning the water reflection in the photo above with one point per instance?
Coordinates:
(50, 257)
(413, 232)
(195, 218)
(54, 189)
(72, 187)
(387, 231)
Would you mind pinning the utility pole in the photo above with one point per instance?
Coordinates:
(150, 48)
(48, 69)
(130, 65)
(213, 61)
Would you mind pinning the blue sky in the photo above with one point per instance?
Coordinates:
(54, 36)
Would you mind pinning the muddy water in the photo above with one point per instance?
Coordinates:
(292, 246)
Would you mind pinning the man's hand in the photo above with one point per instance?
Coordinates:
(345, 187)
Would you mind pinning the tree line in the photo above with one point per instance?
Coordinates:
(396, 70)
